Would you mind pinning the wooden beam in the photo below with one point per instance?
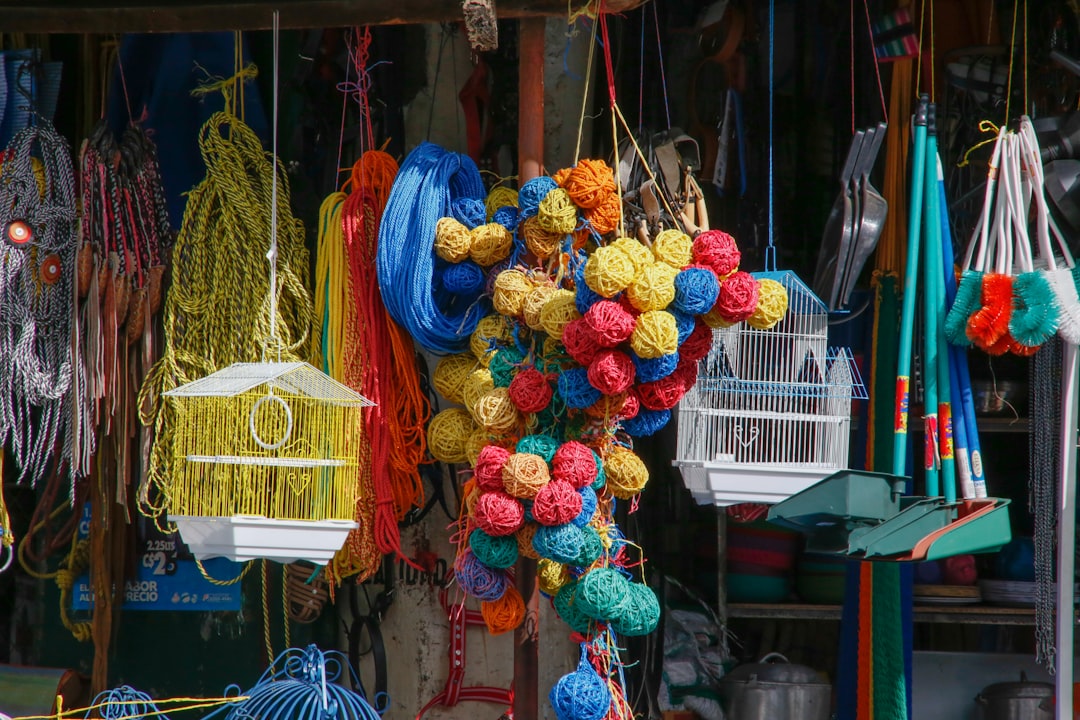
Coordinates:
(131, 16)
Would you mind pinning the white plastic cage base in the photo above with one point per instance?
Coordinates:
(725, 483)
(252, 537)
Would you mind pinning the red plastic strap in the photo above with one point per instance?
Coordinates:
(607, 52)
(475, 100)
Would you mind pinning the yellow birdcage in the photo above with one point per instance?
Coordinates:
(265, 461)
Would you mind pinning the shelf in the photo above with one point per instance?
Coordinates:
(960, 614)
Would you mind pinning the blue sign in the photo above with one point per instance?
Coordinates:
(167, 578)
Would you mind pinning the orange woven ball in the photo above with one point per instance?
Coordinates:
(589, 183)
(505, 614)
(524, 474)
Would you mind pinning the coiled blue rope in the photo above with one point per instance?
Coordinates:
(429, 180)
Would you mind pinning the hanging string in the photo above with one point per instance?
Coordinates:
(641, 77)
(272, 255)
(933, 62)
(877, 65)
(1027, 105)
(918, 58)
(770, 251)
(585, 92)
(1012, 63)
(851, 60)
(660, 55)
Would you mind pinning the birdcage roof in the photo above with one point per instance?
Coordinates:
(294, 378)
(801, 299)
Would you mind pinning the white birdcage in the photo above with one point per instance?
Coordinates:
(770, 414)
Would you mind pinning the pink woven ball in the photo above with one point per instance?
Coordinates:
(580, 341)
(557, 503)
(698, 344)
(611, 372)
(611, 322)
(662, 394)
(530, 391)
(738, 297)
(717, 250)
(489, 467)
(574, 463)
(498, 514)
(631, 406)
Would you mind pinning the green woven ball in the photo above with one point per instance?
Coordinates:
(566, 607)
(495, 552)
(602, 594)
(542, 445)
(601, 476)
(504, 365)
(641, 613)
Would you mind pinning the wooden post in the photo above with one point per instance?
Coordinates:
(530, 163)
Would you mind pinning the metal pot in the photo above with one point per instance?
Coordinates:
(769, 690)
(1017, 700)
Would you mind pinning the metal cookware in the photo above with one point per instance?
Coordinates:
(1021, 700)
(768, 690)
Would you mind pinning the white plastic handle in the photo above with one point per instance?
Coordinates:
(982, 229)
(288, 422)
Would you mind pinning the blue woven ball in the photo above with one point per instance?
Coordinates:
(507, 216)
(588, 507)
(542, 445)
(470, 212)
(584, 296)
(561, 543)
(477, 579)
(685, 323)
(496, 552)
(574, 387)
(465, 278)
(646, 423)
(647, 370)
(580, 695)
(532, 193)
(592, 547)
(696, 290)
(527, 504)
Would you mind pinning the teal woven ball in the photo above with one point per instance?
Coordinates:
(566, 607)
(592, 547)
(641, 613)
(542, 445)
(561, 543)
(603, 594)
(504, 365)
(496, 552)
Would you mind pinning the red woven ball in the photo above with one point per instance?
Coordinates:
(489, 467)
(611, 372)
(687, 374)
(718, 251)
(498, 514)
(530, 391)
(632, 405)
(611, 322)
(738, 297)
(698, 344)
(580, 341)
(625, 304)
(557, 503)
(662, 394)
(574, 463)
(607, 407)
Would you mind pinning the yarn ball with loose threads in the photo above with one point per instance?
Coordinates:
(653, 288)
(488, 470)
(561, 543)
(592, 547)
(650, 369)
(608, 271)
(646, 423)
(557, 213)
(605, 217)
(524, 540)
(538, 444)
(589, 183)
(566, 608)
(452, 240)
(532, 193)
(602, 594)
(588, 507)
(477, 579)
(491, 331)
(450, 375)
(557, 312)
(551, 576)
(530, 391)
(478, 384)
(576, 390)
(663, 394)
(504, 365)
(685, 323)
(468, 211)
(696, 290)
(640, 255)
(641, 614)
(499, 197)
(490, 243)
(447, 433)
(465, 279)
(580, 695)
(717, 250)
(656, 333)
(574, 463)
(505, 614)
(738, 297)
(496, 412)
(581, 341)
(698, 345)
(626, 473)
(539, 241)
(557, 503)
(506, 216)
(611, 323)
(496, 552)
(611, 372)
(673, 248)
(524, 474)
(511, 288)
(771, 307)
(534, 304)
(498, 514)
(584, 296)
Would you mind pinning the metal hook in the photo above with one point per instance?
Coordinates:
(10, 556)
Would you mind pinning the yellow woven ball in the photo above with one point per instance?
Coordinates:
(674, 248)
(450, 375)
(447, 434)
(714, 320)
(557, 312)
(511, 288)
(525, 537)
(626, 473)
(471, 497)
(475, 387)
(490, 332)
(452, 240)
(500, 196)
(653, 288)
(534, 303)
(524, 474)
(638, 253)
(656, 333)
(608, 271)
(540, 242)
(496, 411)
(475, 443)
(551, 576)
(771, 307)
(490, 243)
(557, 213)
